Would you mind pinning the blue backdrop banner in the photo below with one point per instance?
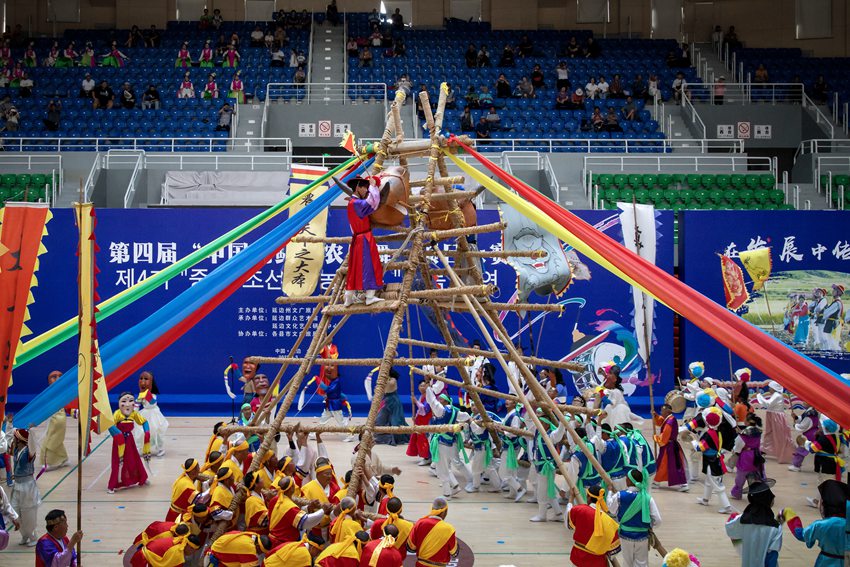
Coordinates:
(802, 303)
(597, 324)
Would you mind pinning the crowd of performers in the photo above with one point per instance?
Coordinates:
(296, 511)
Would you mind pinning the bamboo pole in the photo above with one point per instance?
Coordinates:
(403, 361)
(531, 380)
(501, 395)
(445, 181)
(480, 352)
(432, 234)
(295, 426)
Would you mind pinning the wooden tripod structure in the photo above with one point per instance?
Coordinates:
(467, 293)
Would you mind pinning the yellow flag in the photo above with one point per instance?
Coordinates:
(758, 264)
(302, 266)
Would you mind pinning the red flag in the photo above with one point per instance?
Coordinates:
(733, 284)
(21, 227)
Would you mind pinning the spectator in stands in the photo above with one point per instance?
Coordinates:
(184, 58)
(503, 87)
(135, 38)
(268, 39)
(602, 87)
(466, 121)
(680, 85)
(597, 121)
(652, 91)
(563, 73)
(471, 97)
(332, 13)
(405, 85)
(68, 56)
(482, 129)
(451, 103)
(471, 56)
(374, 17)
(537, 79)
(720, 90)
(366, 57)
(577, 99)
(6, 105)
(731, 38)
(376, 40)
(525, 47)
(237, 88)
(54, 115)
(591, 49)
(114, 58)
(205, 21)
(280, 36)
(128, 96)
(300, 76)
(187, 89)
(761, 75)
(25, 85)
(12, 120)
(717, 36)
(301, 58)
(102, 96)
(562, 101)
(399, 49)
(210, 89)
(231, 57)
(612, 122)
(398, 20)
(493, 119)
(639, 87)
(225, 116)
(819, 90)
(87, 86)
(524, 89)
(485, 98)
(217, 18)
(278, 57)
(629, 109)
(30, 58)
(574, 49)
(483, 59)
(685, 54)
(591, 89)
(351, 47)
(50, 60)
(420, 112)
(19, 38)
(221, 45)
(153, 37)
(235, 41)
(508, 58)
(257, 37)
(615, 90)
(150, 99)
(207, 58)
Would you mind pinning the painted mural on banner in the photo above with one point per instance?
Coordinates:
(597, 325)
(802, 303)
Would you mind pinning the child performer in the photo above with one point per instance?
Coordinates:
(127, 467)
(25, 495)
(671, 459)
(8, 518)
(149, 409)
(418, 445)
(750, 461)
(53, 453)
(806, 424)
(712, 461)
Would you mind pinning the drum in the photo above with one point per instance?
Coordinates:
(675, 400)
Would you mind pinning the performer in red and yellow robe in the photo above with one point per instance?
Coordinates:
(381, 553)
(393, 518)
(239, 549)
(432, 538)
(344, 525)
(595, 532)
(286, 519)
(183, 491)
(293, 554)
(164, 552)
(343, 554)
(364, 264)
(256, 513)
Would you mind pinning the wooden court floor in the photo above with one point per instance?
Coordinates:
(497, 530)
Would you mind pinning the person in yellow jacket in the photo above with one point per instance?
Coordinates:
(345, 524)
(256, 512)
(345, 553)
(238, 549)
(222, 495)
(183, 491)
(299, 553)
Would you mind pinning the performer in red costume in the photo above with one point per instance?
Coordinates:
(365, 273)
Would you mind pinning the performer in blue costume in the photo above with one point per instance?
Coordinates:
(636, 513)
(830, 532)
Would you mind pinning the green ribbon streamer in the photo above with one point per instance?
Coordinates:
(46, 341)
(511, 462)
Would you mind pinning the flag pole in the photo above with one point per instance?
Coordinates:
(80, 432)
(767, 302)
(646, 334)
